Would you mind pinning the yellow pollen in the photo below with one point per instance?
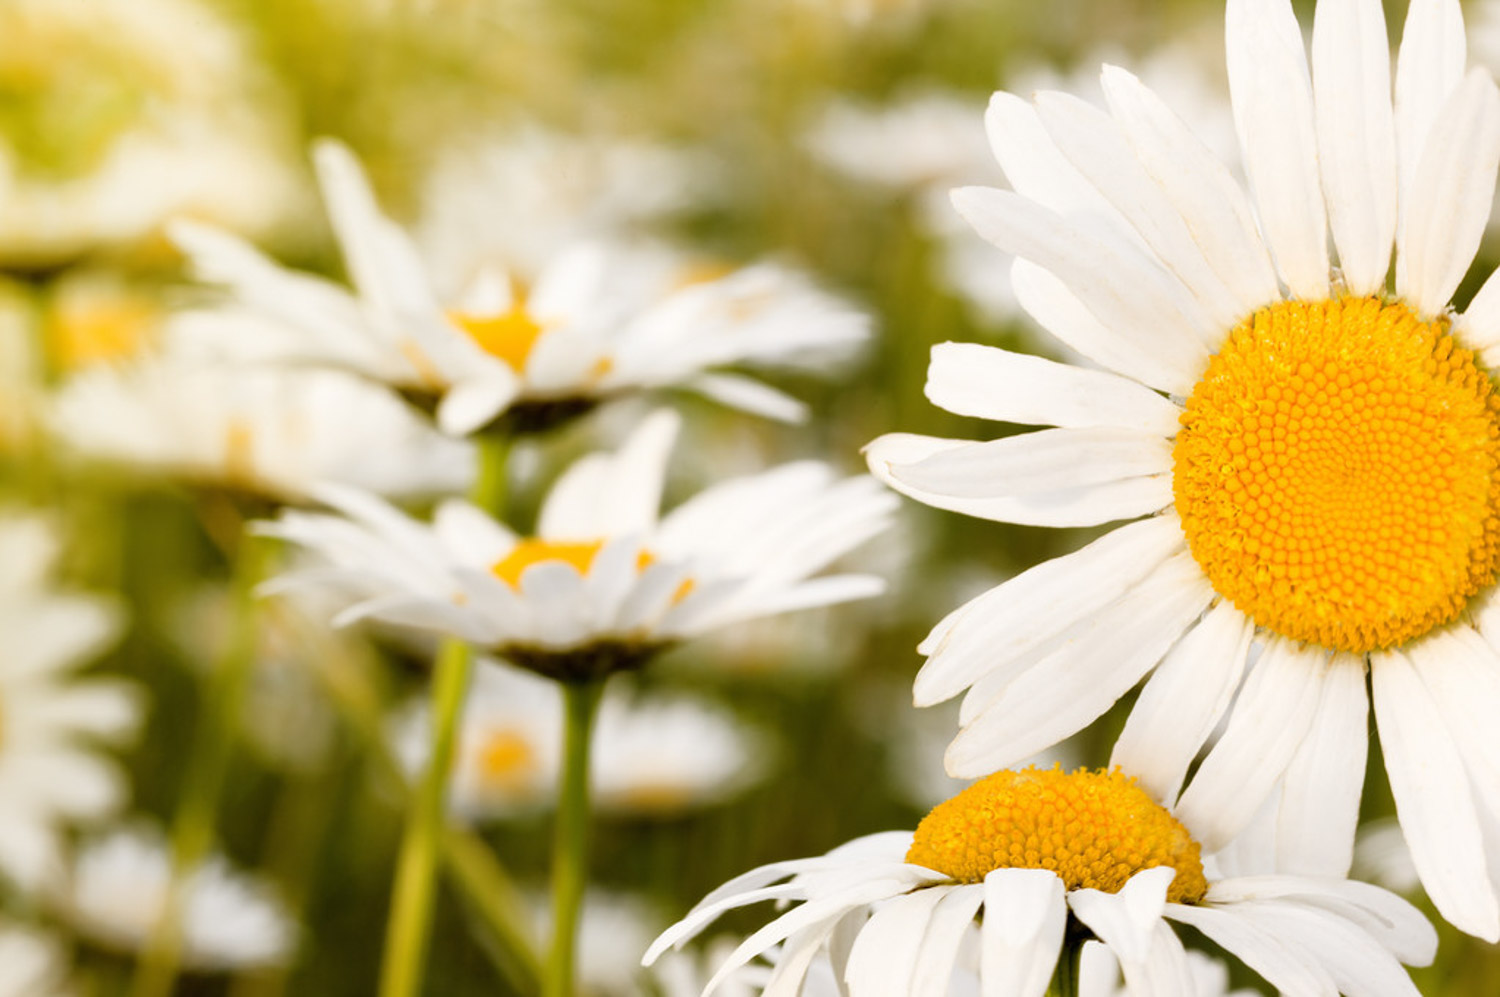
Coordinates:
(1094, 829)
(1336, 473)
(506, 759)
(509, 335)
(579, 553)
(96, 329)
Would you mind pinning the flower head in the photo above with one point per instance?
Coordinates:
(604, 583)
(1021, 860)
(598, 320)
(1314, 451)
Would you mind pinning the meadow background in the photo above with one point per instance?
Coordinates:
(742, 96)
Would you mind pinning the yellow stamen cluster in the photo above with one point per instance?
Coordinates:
(506, 759)
(579, 553)
(91, 329)
(1094, 829)
(509, 335)
(1336, 473)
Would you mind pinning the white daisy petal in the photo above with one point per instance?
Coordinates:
(1024, 613)
(1430, 64)
(1032, 163)
(1355, 961)
(749, 395)
(470, 404)
(610, 495)
(1433, 798)
(1289, 971)
(1212, 204)
(1479, 326)
(885, 953)
(1025, 911)
(1112, 279)
(1356, 136)
(1269, 721)
(1058, 310)
(1451, 193)
(1103, 657)
(1273, 113)
(1397, 924)
(1048, 460)
(952, 920)
(1322, 786)
(1125, 921)
(1183, 702)
(990, 383)
(1462, 675)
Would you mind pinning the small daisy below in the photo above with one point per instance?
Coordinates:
(1051, 859)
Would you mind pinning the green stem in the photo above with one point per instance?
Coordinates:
(411, 905)
(193, 825)
(491, 483)
(570, 842)
(1069, 960)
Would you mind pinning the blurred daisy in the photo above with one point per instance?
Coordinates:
(31, 964)
(519, 198)
(122, 113)
(96, 318)
(1037, 851)
(120, 882)
(604, 584)
(614, 930)
(1099, 972)
(50, 722)
(268, 432)
(1381, 857)
(651, 755)
(1317, 464)
(597, 320)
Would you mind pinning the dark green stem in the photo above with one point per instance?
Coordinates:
(570, 842)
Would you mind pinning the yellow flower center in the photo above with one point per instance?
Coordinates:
(1336, 473)
(509, 335)
(506, 759)
(1093, 829)
(93, 329)
(579, 553)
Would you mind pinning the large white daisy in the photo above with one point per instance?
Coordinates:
(604, 583)
(597, 321)
(1315, 453)
(1042, 861)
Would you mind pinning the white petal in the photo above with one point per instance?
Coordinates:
(1120, 285)
(1392, 921)
(1183, 702)
(749, 395)
(1085, 506)
(1101, 660)
(1033, 164)
(1289, 971)
(612, 495)
(1049, 301)
(1125, 921)
(1025, 911)
(795, 959)
(1479, 326)
(885, 953)
(1095, 144)
(471, 404)
(1355, 962)
(990, 383)
(1451, 194)
(1046, 460)
(1273, 113)
(1462, 674)
(1025, 612)
(1356, 136)
(1321, 789)
(951, 921)
(1269, 721)
(1430, 65)
(1433, 798)
(1212, 204)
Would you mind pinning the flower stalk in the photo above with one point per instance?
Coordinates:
(570, 836)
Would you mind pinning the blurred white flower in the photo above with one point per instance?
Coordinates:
(598, 320)
(229, 920)
(31, 964)
(1099, 975)
(121, 113)
(605, 583)
(1381, 856)
(270, 432)
(614, 930)
(50, 722)
(520, 197)
(652, 755)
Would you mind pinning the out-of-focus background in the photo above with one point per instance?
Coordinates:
(820, 133)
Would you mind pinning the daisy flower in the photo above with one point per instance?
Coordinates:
(50, 722)
(597, 321)
(650, 755)
(1034, 861)
(604, 583)
(1314, 453)
(120, 883)
(271, 433)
